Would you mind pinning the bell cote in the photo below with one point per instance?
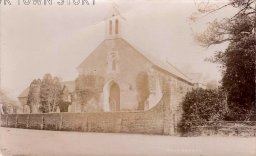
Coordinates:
(113, 29)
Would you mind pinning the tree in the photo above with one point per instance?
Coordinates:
(57, 91)
(65, 99)
(45, 93)
(238, 60)
(34, 96)
(50, 93)
(88, 90)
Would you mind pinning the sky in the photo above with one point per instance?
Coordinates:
(55, 39)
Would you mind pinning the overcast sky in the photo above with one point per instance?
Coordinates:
(56, 39)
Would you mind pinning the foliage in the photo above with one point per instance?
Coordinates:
(142, 84)
(50, 94)
(238, 60)
(34, 94)
(63, 105)
(201, 106)
(239, 75)
(88, 89)
(66, 99)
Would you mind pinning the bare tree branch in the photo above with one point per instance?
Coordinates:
(242, 10)
(217, 9)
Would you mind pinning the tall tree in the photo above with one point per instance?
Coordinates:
(34, 96)
(238, 60)
(57, 91)
(50, 93)
(45, 93)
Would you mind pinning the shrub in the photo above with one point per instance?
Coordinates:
(201, 107)
(64, 106)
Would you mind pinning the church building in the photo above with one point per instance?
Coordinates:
(118, 77)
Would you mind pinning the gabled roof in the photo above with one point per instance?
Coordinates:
(166, 66)
(69, 84)
(24, 93)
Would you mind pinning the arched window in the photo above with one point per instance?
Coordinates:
(110, 27)
(117, 25)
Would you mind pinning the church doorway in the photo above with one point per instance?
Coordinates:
(111, 93)
(114, 97)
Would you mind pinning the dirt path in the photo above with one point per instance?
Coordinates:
(44, 143)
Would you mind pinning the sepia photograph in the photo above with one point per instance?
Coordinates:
(127, 77)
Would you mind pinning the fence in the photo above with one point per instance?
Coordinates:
(225, 128)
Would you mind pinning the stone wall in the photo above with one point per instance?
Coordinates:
(153, 121)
